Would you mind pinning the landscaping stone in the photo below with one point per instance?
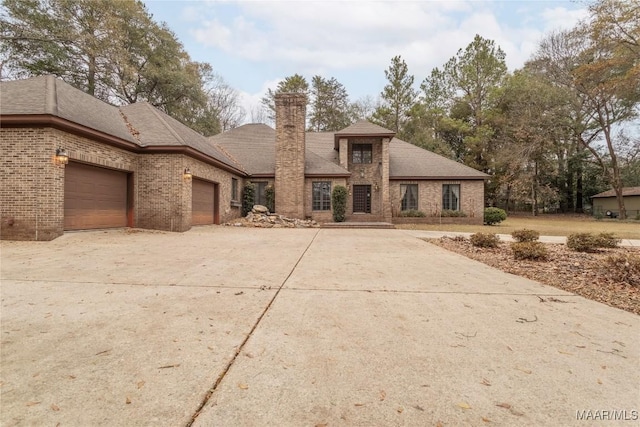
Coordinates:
(260, 217)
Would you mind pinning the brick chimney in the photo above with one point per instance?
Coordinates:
(290, 150)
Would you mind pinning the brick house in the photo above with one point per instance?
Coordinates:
(71, 161)
(384, 175)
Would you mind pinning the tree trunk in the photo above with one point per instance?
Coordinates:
(534, 188)
(91, 76)
(616, 181)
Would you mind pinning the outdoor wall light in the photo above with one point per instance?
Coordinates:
(375, 187)
(187, 173)
(62, 157)
(361, 173)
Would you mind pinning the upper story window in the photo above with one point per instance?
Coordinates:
(362, 153)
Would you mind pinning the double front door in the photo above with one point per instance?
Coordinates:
(361, 199)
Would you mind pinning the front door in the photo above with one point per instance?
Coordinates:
(361, 199)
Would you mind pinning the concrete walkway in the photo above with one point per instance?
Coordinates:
(250, 327)
(507, 237)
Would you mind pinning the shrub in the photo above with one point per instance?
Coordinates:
(485, 240)
(607, 240)
(587, 242)
(339, 203)
(535, 251)
(494, 216)
(525, 235)
(270, 196)
(623, 267)
(248, 194)
(452, 213)
(413, 213)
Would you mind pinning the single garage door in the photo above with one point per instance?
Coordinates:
(94, 197)
(203, 202)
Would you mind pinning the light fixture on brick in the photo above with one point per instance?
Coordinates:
(187, 173)
(62, 157)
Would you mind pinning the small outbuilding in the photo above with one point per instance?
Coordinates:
(605, 203)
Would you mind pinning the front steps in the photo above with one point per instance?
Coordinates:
(354, 224)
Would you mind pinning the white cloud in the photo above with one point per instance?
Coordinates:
(561, 18)
(330, 37)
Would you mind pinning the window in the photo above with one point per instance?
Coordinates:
(321, 196)
(409, 194)
(234, 189)
(451, 197)
(260, 197)
(361, 153)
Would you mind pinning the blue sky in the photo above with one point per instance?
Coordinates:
(254, 44)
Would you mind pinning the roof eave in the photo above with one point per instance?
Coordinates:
(338, 136)
(327, 175)
(47, 120)
(441, 178)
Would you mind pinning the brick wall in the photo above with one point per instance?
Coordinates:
(290, 152)
(31, 204)
(223, 179)
(367, 174)
(320, 216)
(430, 197)
(32, 190)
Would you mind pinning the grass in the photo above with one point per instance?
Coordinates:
(546, 225)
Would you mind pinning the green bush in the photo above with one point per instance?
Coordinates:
(588, 242)
(531, 250)
(248, 197)
(413, 213)
(484, 240)
(339, 203)
(452, 213)
(494, 216)
(270, 195)
(623, 267)
(525, 235)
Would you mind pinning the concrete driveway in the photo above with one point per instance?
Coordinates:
(232, 326)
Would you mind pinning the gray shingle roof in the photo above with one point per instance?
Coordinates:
(626, 191)
(407, 160)
(48, 95)
(253, 145)
(363, 127)
(159, 129)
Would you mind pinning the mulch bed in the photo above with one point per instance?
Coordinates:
(584, 274)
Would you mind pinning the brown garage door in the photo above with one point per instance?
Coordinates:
(203, 202)
(94, 197)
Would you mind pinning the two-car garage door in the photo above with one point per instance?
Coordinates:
(94, 197)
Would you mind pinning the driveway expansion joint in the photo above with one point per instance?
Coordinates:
(212, 390)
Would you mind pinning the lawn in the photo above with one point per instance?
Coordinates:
(547, 225)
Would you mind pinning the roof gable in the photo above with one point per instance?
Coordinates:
(362, 128)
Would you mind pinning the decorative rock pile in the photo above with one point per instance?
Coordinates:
(261, 217)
